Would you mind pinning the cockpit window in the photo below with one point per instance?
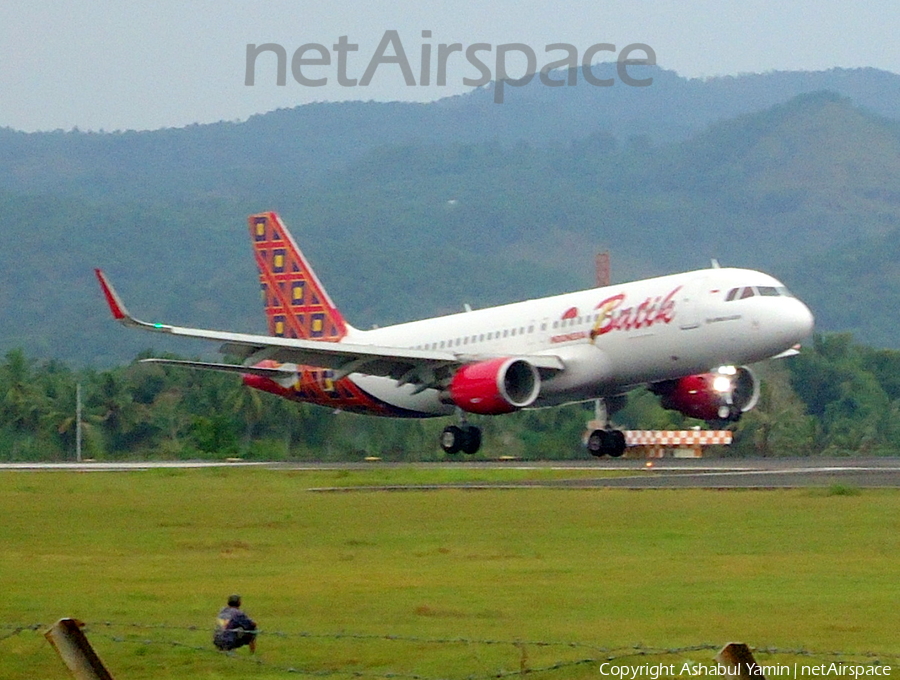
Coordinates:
(750, 291)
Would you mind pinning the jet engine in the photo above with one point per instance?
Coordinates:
(722, 395)
(493, 387)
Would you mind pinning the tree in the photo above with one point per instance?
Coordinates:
(778, 426)
(20, 401)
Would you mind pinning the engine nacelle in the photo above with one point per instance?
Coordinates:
(493, 387)
(724, 394)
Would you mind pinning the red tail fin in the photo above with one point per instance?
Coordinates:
(297, 305)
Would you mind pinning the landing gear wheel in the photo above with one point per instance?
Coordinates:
(617, 443)
(606, 443)
(595, 443)
(452, 439)
(471, 440)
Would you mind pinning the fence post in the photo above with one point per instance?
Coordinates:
(738, 654)
(76, 652)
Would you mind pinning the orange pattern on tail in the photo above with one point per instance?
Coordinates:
(297, 305)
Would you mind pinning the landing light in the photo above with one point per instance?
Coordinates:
(722, 384)
(727, 370)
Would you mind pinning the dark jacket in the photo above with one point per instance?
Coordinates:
(233, 629)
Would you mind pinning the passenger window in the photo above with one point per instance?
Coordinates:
(768, 291)
(747, 293)
(732, 294)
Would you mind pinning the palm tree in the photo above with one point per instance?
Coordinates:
(248, 407)
(20, 401)
(125, 422)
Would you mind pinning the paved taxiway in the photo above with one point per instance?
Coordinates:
(720, 473)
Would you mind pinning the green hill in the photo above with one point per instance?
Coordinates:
(399, 228)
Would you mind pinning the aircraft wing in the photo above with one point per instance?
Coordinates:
(425, 368)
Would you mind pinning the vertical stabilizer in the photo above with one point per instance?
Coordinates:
(297, 305)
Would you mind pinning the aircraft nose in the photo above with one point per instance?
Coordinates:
(801, 320)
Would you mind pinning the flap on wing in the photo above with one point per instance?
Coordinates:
(273, 372)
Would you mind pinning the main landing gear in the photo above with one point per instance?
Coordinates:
(602, 439)
(462, 437)
(606, 443)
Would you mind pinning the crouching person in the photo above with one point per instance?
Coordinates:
(234, 628)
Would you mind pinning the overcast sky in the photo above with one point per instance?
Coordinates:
(117, 64)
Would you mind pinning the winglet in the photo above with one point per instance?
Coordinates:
(120, 313)
(116, 306)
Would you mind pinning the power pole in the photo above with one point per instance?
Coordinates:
(78, 422)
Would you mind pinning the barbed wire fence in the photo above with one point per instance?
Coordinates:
(173, 636)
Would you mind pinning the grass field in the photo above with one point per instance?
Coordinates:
(434, 584)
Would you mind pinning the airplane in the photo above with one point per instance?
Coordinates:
(688, 337)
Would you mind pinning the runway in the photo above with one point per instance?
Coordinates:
(667, 473)
(755, 473)
(745, 473)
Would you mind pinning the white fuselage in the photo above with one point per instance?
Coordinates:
(610, 339)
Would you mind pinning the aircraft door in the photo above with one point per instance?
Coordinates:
(532, 335)
(689, 301)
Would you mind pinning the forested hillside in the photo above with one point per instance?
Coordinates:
(805, 190)
(271, 155)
